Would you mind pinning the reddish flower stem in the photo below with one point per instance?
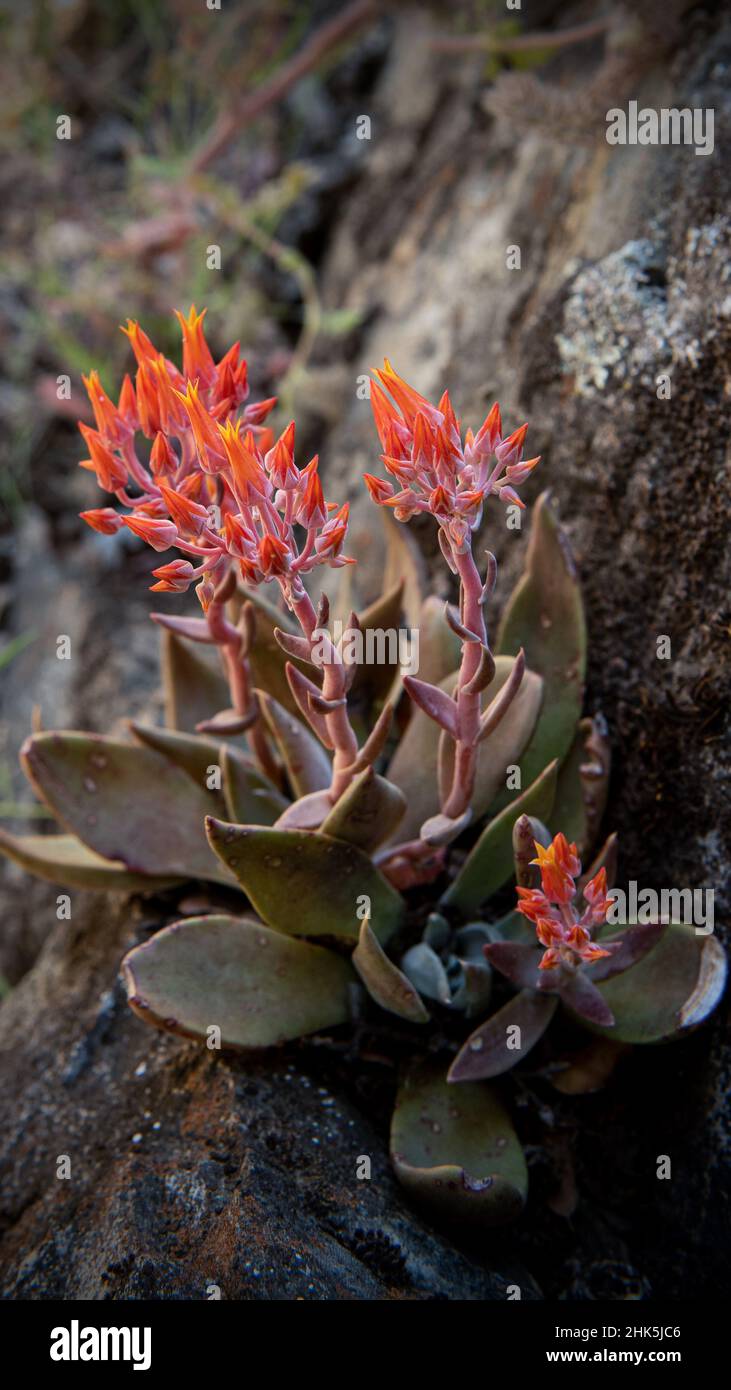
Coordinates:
(339, 728)
(468, 703)
(231, 644)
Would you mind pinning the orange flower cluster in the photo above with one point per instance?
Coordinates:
(566, 934)
(435, 471)
(216, 484)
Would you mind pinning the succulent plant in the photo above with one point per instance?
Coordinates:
(360, 822)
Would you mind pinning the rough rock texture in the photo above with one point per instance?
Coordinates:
(187, 1169)
(624, 279)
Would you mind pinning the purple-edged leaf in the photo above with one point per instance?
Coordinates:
(127, 803)
(434, 702)
(506, 1038)
(518, 963)
(259, 987)
(64, 859)
(634, 943)
(584, 999)
(457, 1152)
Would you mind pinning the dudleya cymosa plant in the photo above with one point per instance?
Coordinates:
(367, 818)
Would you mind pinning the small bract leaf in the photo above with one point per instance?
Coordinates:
(518, 961)
(367, 812)
(125, 802)
(457, 1152)
(545, 616)
(583, 998)
(384, 981)
(305, 883)
(670, 991)
(195, 686)
(490, 862)
(496, 1046)
(305, 761)
(258, 987)
(414, 764)
(249, 796)
(64, 859)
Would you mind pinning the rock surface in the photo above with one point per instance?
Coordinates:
(624, 279)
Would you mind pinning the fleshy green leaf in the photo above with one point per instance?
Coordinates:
(266, 658)
(414, 764)
(305, 761)
(670, 991)
(583, 783)
(457, 1151)
(195, 686)
(490, 862)
(545, 616)
(259, 987)
(439, 646)
(367, 813)
(306, 883)
(250, 798)
(192, 753)
(64, 859)
(125, 802)
(384, 981)
(493, 1047)
(404, 562)
(423, 967)
(376, 674)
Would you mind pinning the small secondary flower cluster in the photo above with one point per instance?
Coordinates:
(566, 934)
(435, 471)
(220, 489)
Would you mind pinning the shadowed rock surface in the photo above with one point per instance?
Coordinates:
(624, 278)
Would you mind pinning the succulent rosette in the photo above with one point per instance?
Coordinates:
(368, 819)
